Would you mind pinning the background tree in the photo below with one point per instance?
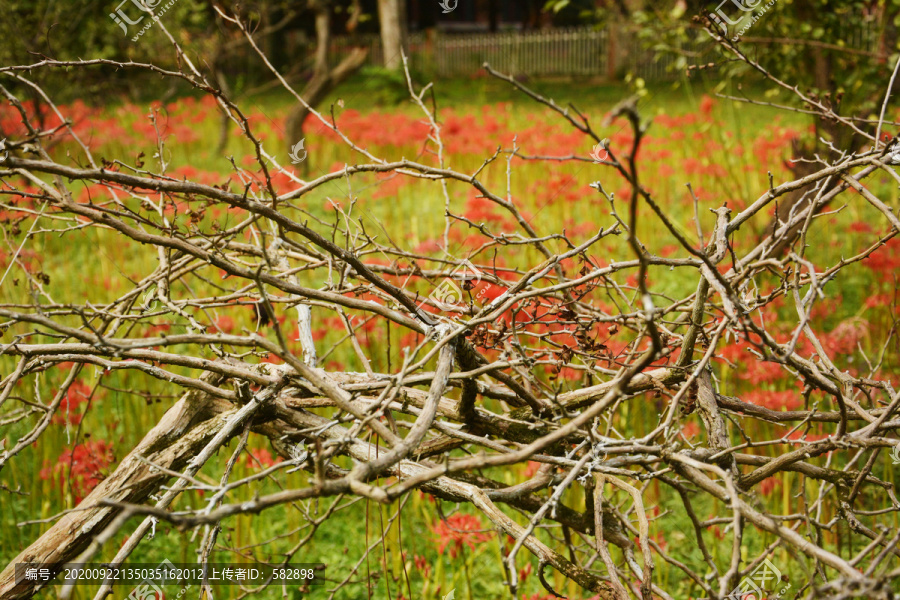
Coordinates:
(325, 77)
(391, 19)
(815, 44)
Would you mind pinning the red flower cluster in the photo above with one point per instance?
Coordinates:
(844, 338)
(885, 261)
(459, 530)
(422, 565)
(77, 394)
(767, 486)
(84, 464)
(261, 457)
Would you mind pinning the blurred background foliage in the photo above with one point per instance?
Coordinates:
(829, 47)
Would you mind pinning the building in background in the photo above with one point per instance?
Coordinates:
(475, 16)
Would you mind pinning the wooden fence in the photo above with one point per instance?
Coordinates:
(583, 51)
(539, 53)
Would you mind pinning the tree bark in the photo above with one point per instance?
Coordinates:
(318, 88)
(324, 78)
(182, 432)
(323, 36)
(493, 15)
(392, 43)
(840, 136)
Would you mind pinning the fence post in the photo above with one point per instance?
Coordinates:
(611, 51)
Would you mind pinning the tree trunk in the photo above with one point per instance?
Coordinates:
(493, 15)
(183, 431)
(323, 37)
(796, 201)
(324, 79)
(391, 32)
(319, 87)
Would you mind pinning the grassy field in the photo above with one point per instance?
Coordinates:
(723, 150)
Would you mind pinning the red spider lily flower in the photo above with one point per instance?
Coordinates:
(531, 468)
(884, 261)
(762, 372)
(706, 105)
(77, 394)
(845, 338)
(568, 374)
(736, 352)
(422, 565)
(767, 486)
(690, 429)
(85, 464)
(410, 340)
(878, 300)
(632, 281)
(225, 324)
(807, 437)
(459, 530)
(824, 309)
(658, 538)
(482, 210)
(261, 457)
